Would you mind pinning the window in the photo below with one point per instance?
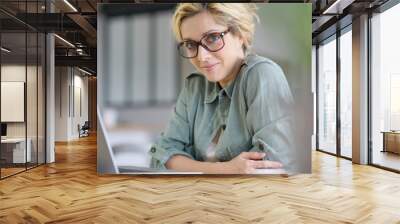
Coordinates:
(327, 96)
(346, 93)
(385, 88)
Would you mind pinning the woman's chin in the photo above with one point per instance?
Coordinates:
(212, 77)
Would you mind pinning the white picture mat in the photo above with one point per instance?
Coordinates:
(12, 101)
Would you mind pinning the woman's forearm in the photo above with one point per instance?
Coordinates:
(183, 163)
(244, 163)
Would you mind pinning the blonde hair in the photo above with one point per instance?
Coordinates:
(239, 17)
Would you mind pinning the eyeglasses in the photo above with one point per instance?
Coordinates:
(211, 42)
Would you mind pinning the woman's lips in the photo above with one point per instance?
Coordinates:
(209, 67)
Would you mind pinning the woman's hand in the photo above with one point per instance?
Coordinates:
(248, 162)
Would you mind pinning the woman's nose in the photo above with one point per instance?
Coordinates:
(202, 53)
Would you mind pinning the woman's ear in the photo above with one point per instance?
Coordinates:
(240, 39)
(243, 42)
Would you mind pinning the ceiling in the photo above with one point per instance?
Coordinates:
(76, 22)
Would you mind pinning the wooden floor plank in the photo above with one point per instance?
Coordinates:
(70, 191)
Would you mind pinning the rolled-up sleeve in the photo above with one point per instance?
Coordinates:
(270, 113)
(175, 140)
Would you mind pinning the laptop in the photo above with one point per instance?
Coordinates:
(106, 162)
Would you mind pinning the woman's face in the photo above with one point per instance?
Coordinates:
(221, 66)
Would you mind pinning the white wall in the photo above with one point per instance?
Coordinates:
(71, 94)
(61, 103)
(16, 73)
(80, 110)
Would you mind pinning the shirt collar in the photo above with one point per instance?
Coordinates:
(212, 90)
(229, 89)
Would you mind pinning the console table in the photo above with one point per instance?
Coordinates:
(391, 141)
(15, 148)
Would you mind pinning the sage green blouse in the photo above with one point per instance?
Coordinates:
(254, 111)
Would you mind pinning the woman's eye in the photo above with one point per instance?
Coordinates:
(213, 37)
(190, 45)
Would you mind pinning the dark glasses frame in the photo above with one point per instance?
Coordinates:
(199, 43)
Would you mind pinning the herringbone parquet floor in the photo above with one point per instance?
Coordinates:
(70, 191)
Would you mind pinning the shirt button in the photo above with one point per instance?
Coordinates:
(153, 149)
(261, 146)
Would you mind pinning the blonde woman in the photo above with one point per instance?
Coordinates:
(233, 115)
